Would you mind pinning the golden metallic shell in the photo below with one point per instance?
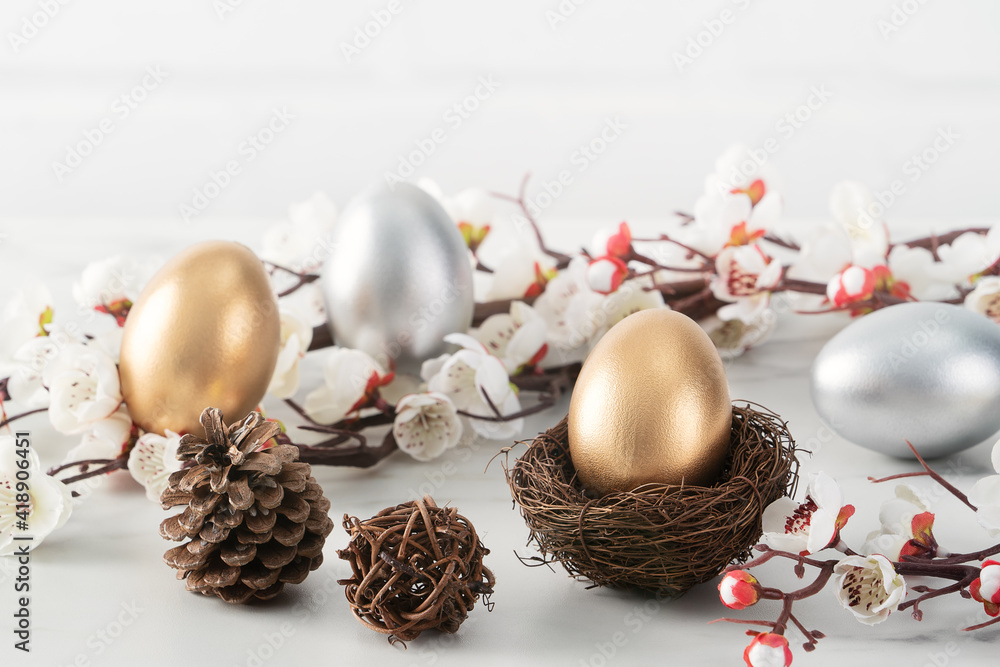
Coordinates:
(651, 406)
(204, 332)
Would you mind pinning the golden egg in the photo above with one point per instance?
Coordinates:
(204, 332)
(651, 406)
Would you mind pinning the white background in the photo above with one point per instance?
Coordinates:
(891, 91)
(354, 119)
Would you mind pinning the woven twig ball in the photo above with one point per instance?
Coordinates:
(658, 538)
(415, 567)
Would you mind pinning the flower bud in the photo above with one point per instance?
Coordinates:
(739, 589)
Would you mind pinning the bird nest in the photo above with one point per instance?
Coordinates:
(658, 538)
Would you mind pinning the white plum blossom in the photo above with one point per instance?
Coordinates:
(84, 387)
(869, 587)
(811, 525)
(985, 495)
(854, 207)
(929, 280)
(26, 316)
(302, 241)
(349, 375)
(633, 295)
(896, 518)
(521, 272)
(112, 285)
(768, 649)
(518, 338)
(730, 220)
(569, 307)
(478, 384)
(104, 439)
(426, 425)
(744, 277)
(28, 363)
(152, 460)
(969, 254)
(49, 502)
(734, 337)
(985, 298)
(742, 169)
(824, 252)
(296, 335)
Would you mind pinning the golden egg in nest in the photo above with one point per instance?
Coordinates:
(205, 332)
(651, 406)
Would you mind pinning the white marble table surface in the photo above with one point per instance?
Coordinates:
(104, 567)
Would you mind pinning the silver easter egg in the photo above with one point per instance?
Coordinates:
(398, 278)
(924, 372)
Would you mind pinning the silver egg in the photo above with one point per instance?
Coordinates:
(398, 278)
(924, 372)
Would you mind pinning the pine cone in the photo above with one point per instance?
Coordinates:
(256, 518)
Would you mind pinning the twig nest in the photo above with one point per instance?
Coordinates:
(416, 567)
(657, 537)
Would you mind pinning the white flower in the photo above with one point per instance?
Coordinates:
(49, 501)
(734, 337)
(112, 285)
(730, 220)
(768, 650)
(569, 307)
(473, 206)
(853, 206)
(26, 316)
(476, 382)
(630, 298)
(929, 280)
(104, 439)
(809, 526)
(869, 587)
(985, 298)
(969, 254)
(985, 495)
(152, 460)
(426, 425)
(824, 252)
(896, 517)
(296, 335)
(84, 387)
(740, 169)
(29, 361)
(744, 277)
(302, 242)
(349, 376)
(517, 338)
(521, 272)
